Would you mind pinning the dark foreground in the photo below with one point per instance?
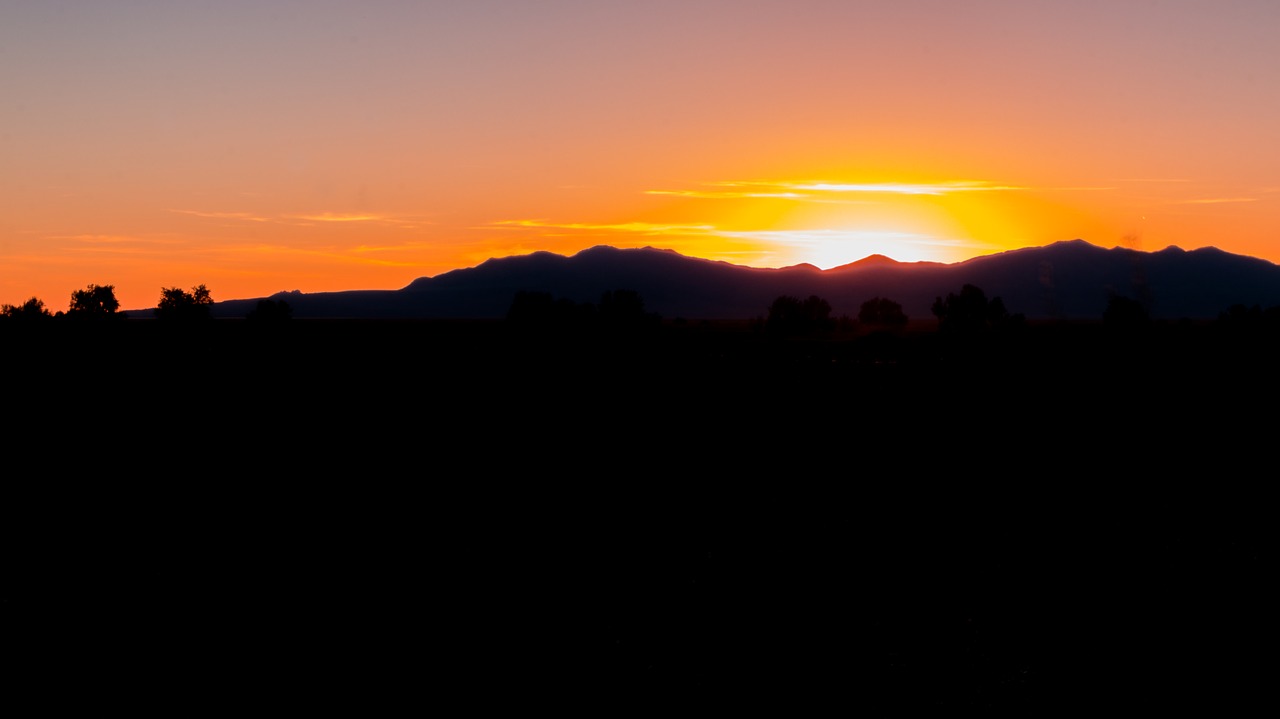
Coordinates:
(359, 516)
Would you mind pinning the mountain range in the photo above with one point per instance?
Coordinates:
(1068, 280)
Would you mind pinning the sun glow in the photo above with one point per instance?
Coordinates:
(825, 223)
(827, 248)
(828, 223)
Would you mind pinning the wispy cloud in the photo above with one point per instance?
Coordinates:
(897, 188)
(400, 221)
(815, 237)
(646, 228)
(824, 191)
(247, 217)
(835, 246)
(100, 239)
(102, 246)
(1218, 200)
(729, 194)
(114, 242)
(340, 217)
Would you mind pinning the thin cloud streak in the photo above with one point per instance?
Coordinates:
(831, 243)
(646, 228)
(820, 236)
(1218, 200)
(111, 239)
(303, 220)
(338, 217)
(905, 188)
(702, 194)
(823, 191)
(247, 217)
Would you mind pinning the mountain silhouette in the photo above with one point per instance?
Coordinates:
(1068, 280)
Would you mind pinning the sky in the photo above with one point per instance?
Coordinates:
(258, 146)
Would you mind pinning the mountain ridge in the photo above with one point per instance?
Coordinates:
(1067, 279)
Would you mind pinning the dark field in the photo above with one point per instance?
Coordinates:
(359, 515)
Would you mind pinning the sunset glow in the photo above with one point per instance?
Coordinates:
(289, 145)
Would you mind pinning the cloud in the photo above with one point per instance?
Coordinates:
(247, 217)
(824, 191)
(402, 222)
(112, 243)
(803, 236)
(899, 188)
(730, 195)
(870, 239)
(340, 217)
(1098, 188)
(646, 228)
(1218, 200)
(823, 247)
(101, 239)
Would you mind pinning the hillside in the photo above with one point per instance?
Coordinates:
(1070, 280)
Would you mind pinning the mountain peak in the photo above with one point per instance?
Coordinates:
(875, 260)
(1064, 280)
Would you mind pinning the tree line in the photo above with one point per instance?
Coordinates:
(968, 311)
(98, 302)
(787, 315)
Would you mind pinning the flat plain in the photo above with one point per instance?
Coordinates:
(372, 513)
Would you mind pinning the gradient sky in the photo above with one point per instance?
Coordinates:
(255, 146)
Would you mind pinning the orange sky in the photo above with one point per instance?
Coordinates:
(255, 147)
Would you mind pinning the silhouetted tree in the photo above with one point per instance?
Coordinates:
(1239, 316)
(95, 302)
(32, 309)
(270, 311)
(1125, 313)
(881, 312)
(970, 312)
(177, 304)
(791, 315)
(624, 308)
(536, 308)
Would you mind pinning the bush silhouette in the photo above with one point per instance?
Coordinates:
(1239, 316)
(32, 309)
(538, 309)
(618, 309)
(790, 315)
(970, 312)
(95, 302)
(178, 305)
(270, 311)
(621, 309)
(883, 313)
(1125, 313)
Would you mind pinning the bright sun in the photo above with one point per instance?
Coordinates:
(823, 223)
(828, 224)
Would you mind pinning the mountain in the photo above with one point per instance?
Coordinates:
(1071, 279)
